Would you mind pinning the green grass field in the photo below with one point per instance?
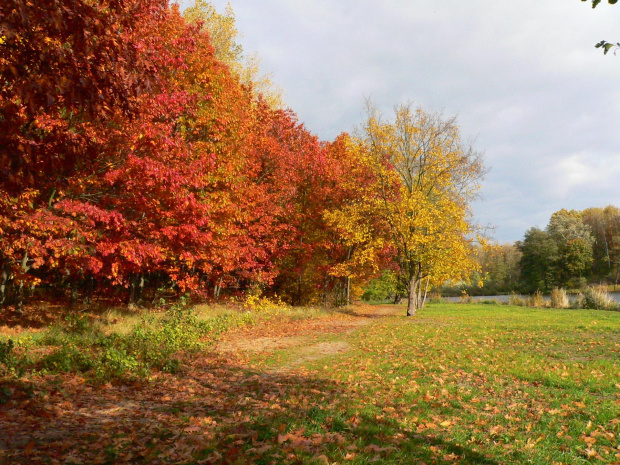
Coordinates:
(469, 384)
(492, 384)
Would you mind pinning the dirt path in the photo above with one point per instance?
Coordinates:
(302, 339)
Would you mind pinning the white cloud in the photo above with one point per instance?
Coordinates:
(569, 174)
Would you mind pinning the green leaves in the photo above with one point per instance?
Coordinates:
(595, 3)
(606, 46)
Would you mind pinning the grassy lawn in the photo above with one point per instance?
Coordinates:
(470, 384)
(490, 384)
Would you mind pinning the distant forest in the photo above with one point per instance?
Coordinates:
(576, 248)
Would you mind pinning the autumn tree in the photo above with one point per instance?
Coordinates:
(308, 178)
(137, 154)
(427, 177)
(71, 74)
(359, 248)
(224, 36)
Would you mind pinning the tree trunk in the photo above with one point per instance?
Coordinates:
(20, 292)
(217, 289)
(428, 280)
(298, 292)
(417, 293)
(348, 295)
(413, 295)
(74, 294)
(140, 287)
(132, 293)
(348, 290)
(325, 292)
(89, 288)
(3, 281)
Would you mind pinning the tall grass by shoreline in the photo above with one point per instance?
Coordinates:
(593, 297)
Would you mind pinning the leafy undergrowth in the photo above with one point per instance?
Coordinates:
(114, 347)
(456, 384)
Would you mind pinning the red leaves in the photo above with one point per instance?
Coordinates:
(129, 150)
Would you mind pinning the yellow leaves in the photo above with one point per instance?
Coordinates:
(425, 177)
(531, 442)
(254, 302)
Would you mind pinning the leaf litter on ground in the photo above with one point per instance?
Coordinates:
(453, 385)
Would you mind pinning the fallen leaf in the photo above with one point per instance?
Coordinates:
(29, 449)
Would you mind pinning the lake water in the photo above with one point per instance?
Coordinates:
(504, 298)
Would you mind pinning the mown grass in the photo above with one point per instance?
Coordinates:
(468, 384)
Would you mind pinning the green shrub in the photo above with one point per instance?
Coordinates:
(69, 357)
(435, 299)
(77, 324)
(117, 362)
(178, 331)
(577, 283)
(577, 301)
(7, 355)
(517, 300)
(153, 342)
(382, 288)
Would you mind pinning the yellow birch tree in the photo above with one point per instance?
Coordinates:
(426, 179)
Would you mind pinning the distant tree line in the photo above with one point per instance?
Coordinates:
(575, 249)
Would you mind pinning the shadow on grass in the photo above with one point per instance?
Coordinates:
(215, 411)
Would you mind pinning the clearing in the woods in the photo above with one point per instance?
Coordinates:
(470, 384)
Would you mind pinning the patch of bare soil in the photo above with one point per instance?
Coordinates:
(316, 352)
(299, 335)
(260, 344)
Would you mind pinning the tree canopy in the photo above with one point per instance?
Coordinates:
(425, 178)
(141, 156)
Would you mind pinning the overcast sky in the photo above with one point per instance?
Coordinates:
(523, 77)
